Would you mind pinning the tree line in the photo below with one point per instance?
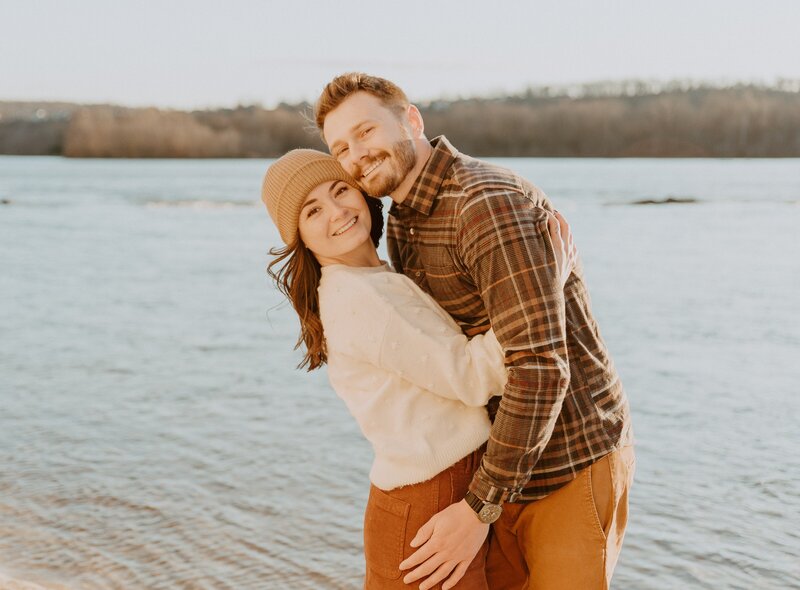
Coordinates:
(634, 119)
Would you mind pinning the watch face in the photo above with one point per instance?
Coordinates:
(490, 512)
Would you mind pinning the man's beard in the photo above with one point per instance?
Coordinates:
(401, 162)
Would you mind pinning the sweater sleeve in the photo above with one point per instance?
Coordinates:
(387, 321)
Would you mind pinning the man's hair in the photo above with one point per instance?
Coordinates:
(338, 89)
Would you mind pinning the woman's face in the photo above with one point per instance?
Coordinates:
(335, 224)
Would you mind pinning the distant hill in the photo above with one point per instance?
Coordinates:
(615, 119)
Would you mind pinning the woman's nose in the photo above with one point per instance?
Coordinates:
(337, 211)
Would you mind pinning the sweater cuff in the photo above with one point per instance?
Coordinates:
(488, 491)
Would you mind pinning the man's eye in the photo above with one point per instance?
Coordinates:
(341, 152)
(367, 131)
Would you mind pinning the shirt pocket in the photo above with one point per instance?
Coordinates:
(385, 524)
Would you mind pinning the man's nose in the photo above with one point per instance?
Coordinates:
(358, 152)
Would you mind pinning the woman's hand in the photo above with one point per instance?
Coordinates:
(563, 245)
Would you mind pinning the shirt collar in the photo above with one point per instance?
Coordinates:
(423, 192)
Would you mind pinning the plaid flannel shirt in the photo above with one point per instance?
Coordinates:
(474, 236)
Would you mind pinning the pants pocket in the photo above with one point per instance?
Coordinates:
(601, 491)
(385, 524)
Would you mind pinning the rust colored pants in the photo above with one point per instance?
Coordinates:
(569, 540)
(393, 518)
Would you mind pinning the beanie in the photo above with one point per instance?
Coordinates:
(288, 182)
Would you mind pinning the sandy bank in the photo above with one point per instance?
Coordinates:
(8, 583)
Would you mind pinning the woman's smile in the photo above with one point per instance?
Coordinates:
(346, 226)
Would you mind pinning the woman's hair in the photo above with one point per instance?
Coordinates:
(297, 273)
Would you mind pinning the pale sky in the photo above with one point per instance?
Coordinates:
(202, 53)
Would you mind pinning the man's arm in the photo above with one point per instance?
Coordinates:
(506, 249)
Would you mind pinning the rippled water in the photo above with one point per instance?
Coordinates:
(154, 433)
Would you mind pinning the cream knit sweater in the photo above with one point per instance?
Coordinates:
(416, 385)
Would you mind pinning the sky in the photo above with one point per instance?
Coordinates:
(207, 54)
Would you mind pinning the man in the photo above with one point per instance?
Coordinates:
(559, 462)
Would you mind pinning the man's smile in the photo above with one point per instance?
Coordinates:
(372, 168)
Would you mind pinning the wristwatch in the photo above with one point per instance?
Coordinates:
(487, 512)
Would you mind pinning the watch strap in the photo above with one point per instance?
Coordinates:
(474, 502)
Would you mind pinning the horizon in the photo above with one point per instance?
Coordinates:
(577, 90)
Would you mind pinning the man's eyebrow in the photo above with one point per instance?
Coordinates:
(361, 124)
(350, 131)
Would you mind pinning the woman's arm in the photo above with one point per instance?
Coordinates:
(387, 321)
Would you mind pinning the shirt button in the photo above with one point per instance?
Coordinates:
(417, 273)
(411, 231)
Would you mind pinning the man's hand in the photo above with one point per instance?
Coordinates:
(447, 543)
(563, 245)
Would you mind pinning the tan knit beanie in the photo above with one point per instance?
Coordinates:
(288, 182)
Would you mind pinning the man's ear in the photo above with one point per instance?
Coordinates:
(415, 121)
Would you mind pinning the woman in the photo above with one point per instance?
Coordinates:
(414, 383)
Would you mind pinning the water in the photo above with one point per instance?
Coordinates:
(155, 434)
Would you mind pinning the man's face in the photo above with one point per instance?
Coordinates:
(372, 142)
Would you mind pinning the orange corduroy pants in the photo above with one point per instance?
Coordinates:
(568, 540)
(392, 519)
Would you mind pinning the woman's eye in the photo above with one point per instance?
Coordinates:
(339, 191)
(312, 211)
